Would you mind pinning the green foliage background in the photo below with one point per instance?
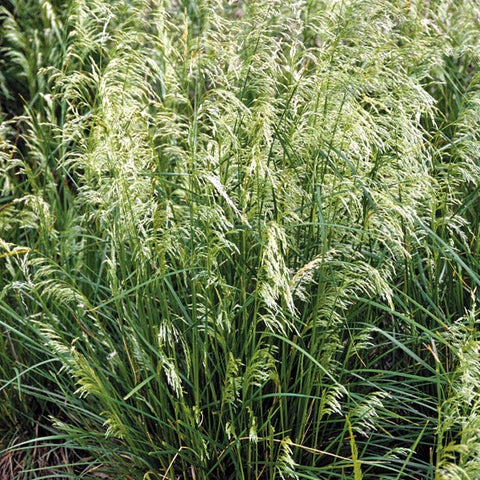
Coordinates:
(239, 240)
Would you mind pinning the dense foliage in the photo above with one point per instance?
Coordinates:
(239, 239)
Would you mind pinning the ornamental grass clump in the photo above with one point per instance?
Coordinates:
(239, 239)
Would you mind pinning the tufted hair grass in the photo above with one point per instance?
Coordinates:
(239, 240)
